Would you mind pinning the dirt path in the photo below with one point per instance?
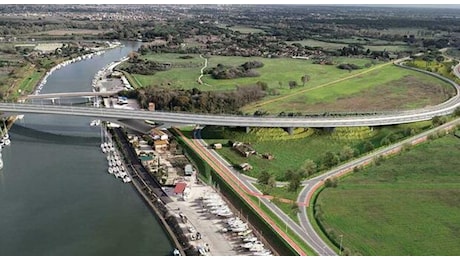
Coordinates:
(202, 69)
(317, 87)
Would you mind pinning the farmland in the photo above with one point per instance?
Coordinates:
(406, 205)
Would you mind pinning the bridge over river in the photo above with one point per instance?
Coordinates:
(377, 119)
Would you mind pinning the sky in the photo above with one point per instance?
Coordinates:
(431, 3)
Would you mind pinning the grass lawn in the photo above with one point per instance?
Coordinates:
(291, 152)
(28, 84)
(387, 88)
(380, 87)
(276, 72)
(407, 205)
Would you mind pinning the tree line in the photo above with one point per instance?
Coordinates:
(195, 100)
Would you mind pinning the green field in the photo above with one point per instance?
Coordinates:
(407, 205)
(387, 88)
(291, 151)
(242, 29)
(380, 87)
(339, 44)
(185, 72)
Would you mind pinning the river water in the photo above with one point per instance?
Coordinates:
(56, 197)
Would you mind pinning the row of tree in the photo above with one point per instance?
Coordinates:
(194, 100)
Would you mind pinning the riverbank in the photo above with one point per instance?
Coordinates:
(198, 220)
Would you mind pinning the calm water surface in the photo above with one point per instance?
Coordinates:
(56, 197)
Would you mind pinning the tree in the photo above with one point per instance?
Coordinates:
(368, 146)
(294, 181)
(438, 120)
(271, 183)
(292, 84)
(346, 153)
(264, 177)
(308, 167)
(331, 182)
(457, 111)
(330, 159)
(305, 78)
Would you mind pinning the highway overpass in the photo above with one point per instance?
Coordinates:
(397, 117)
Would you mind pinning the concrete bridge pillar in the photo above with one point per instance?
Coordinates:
(248, 129)
(290, 130)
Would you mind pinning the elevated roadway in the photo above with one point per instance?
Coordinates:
(390, 118)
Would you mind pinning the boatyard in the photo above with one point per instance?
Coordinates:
(198, 219)
(208, 223)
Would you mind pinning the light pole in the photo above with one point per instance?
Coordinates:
(341, 239)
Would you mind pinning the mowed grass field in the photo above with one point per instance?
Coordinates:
(408, 205)
(185, 72)
(380, 87)
(386, 88)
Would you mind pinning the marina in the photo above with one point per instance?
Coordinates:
(57, 197)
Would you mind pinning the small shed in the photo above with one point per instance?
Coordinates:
(180, 188)
(160, 145)
(188, 169)
(245, 166)
(217, 146)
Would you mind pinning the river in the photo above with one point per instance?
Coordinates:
(56, 196)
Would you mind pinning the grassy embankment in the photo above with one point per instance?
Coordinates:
(291, 151)
(442, 68)
(406, 205)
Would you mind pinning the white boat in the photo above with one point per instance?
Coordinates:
(110, 170)
(225, 214)
(245, 233)
(248, 245)
(7, 142)
(176, 252)
(126, 179)
(240, 228)
(1, 162)
(250, 238)
(265, 252)
(235, 222)
(257, 247)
